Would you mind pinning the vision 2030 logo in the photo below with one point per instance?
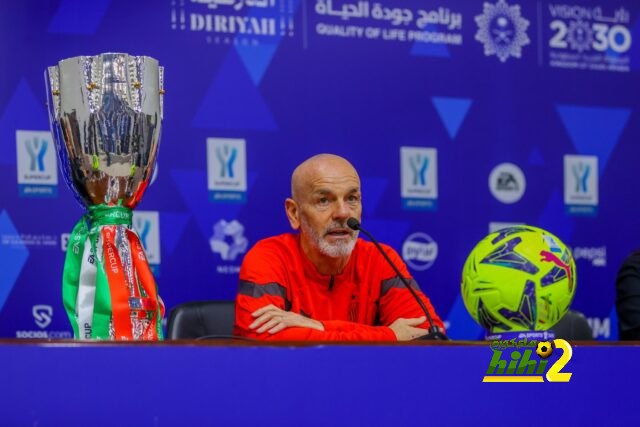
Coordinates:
(520, 366)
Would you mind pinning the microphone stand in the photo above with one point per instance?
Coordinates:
(435, 334)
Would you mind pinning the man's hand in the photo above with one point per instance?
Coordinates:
(274, 319)
(405, 329)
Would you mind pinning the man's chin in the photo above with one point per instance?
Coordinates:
(338, 249)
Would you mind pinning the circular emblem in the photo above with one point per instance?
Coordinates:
(419, 251)
(507, 183)
(544, 349)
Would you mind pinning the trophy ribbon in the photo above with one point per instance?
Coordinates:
(108, 290)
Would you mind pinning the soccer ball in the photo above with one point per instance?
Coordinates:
(520, 278)
(544, 349)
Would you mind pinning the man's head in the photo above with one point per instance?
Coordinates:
(325, 192)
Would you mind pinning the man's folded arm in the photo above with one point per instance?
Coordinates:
(334, 330)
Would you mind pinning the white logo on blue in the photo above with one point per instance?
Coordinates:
(419, 178)
(419, 251)
(36, 164)
(228, 239)
(502, 30)
(226, 170)
(581, 185)
(42, 315)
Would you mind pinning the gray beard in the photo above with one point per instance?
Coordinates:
(333, 250)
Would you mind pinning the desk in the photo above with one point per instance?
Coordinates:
(238, 383)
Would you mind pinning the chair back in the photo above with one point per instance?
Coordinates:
(201, 319)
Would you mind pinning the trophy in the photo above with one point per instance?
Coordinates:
(106, 114)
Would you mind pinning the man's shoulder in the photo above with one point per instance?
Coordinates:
(274, 247)
(268, 258)
(284, 241)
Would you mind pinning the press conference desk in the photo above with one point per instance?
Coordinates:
(242, 383)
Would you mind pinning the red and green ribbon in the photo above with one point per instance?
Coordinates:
(96, 293)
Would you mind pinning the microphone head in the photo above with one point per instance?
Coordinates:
(353, 224)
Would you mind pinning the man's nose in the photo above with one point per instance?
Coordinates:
(342, 211)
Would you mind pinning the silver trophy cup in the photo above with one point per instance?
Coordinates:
(106, 116)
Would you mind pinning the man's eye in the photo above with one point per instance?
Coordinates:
(353, 198)
(323, 200)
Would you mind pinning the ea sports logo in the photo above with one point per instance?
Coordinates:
(419, 251)
(544, 349)
(507, 183)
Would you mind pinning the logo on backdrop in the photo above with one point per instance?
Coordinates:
(228, 241)
(419, 178)
(226, 170)
(419, 251)
(147, 225)
(238, 22)
(36, 164)
(42, 315)
(581, 185)
(502, 30)
(507, 183)
(596, 255)
(387, 22)
(589, 37)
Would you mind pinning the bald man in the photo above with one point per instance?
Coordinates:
(324, 283)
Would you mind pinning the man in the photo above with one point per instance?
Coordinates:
(324, 283)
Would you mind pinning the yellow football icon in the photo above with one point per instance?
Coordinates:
(544, 349)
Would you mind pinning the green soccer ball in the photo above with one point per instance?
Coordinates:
(520, 278)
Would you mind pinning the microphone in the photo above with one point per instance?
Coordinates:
(434, 332)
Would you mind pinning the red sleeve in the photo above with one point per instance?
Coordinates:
(396, 300)
(262, 276)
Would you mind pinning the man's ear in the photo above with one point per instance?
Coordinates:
(293, 213)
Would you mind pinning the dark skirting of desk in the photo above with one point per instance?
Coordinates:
(224, 383)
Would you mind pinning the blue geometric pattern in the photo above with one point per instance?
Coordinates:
(233, 101)
(462, 326)
(78, 17)
(372, 191)
(436, 50)
(562, 225)
(452, 111)
(594, 130)
(23, 111)
(13, 256)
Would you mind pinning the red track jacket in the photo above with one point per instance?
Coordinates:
(368, 292)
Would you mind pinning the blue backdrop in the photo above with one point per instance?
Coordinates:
(459, 115)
